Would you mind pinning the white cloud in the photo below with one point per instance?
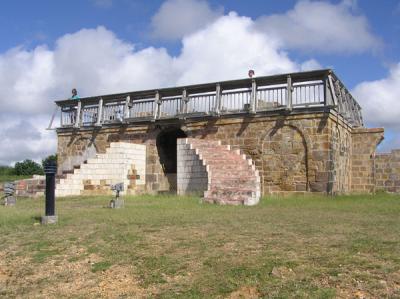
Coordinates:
(321, 26)
(25, 138)
(25, 79)
(381, 106)
(380, 100)
(177, 18)
(310, 65)
(96, 62)
(228, 49)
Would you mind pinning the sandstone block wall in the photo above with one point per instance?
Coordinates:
(191, 173)
(339, 157)
(308, 152)
(122, 163)
(75, 143)
(364, 143)
(33, 187)
(292, 152)
(387, 171)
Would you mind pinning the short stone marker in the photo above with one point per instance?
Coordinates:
(9, 191)
(117, 202)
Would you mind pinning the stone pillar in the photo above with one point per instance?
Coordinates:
(364, 143)
(387, 171)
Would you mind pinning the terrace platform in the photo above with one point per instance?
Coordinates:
(303, 132)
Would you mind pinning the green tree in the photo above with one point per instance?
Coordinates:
(48, 159)
(28, 167)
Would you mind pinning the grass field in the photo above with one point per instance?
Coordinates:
(176, 247)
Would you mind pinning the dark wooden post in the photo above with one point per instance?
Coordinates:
(50, 170)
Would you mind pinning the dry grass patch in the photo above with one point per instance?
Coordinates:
(171, 247)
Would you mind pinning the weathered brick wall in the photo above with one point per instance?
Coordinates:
(292, 153)
(33, 187)
(73, 144)
(364, 142)
(192, 174)
(387, 171)
(339, 157)
(313, 152)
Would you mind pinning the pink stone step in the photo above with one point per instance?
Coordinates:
(231, 168)
(234, 183)
(232, 178)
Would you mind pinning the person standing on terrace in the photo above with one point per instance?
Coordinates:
(74, 94)
(73, 111)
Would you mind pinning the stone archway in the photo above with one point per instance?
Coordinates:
(166, 147)
(285, 159)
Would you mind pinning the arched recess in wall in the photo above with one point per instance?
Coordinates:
(166, 148)
(285, 159)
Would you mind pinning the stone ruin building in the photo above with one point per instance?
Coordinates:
(230, 141)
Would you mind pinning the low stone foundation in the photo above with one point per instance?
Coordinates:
(387, 172)
(314, 151)
(33, 187)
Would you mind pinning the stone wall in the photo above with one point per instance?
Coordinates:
(364, 143)
(387, 171)
(339, 159)
(192, 174)
(291, 152)
(308, 152)
(75, 143)
(33, 187)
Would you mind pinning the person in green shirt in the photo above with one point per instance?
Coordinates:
(73, 110)
(74, 94)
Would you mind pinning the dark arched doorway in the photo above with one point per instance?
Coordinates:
(166, 147)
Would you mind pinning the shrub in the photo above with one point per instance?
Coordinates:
(28, 167)
(48, 159)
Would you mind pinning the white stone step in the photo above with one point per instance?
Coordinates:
(120, 160)
(69, 187)
(66, 193)
(126, 145)
(114, 156)
(109, 160)
(115, 170)
(134, 151)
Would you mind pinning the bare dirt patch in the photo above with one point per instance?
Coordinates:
(70, 276)
(244, 292)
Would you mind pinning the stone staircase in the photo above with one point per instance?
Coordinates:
(225, 175)
(122, 163)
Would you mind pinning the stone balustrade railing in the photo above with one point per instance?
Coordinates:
(290, 92)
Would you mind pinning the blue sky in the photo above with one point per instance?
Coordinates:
(49, 46)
